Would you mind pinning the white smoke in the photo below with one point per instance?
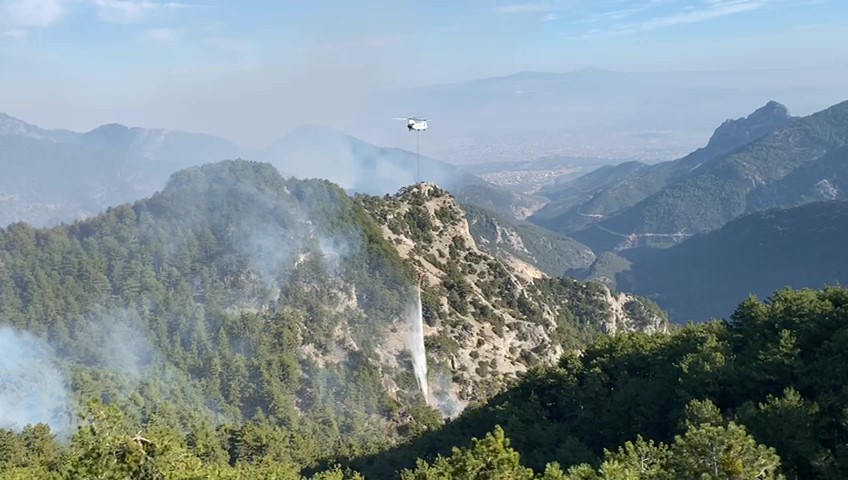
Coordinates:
(32, 388)
(334, 251)
(274, 250)
(444, 398)
(118, 343)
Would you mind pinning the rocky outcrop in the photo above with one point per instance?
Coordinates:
(489, 319)
(735, 133)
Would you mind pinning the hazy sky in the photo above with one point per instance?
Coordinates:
(232, 67)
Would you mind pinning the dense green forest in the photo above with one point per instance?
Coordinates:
(719, 190)
(613, 189)
(195, 307)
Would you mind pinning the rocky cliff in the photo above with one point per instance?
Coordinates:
(488, 319)
(736, 132)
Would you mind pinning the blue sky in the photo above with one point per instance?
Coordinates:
(76, 62)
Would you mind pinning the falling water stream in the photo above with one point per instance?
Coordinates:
(419, 354)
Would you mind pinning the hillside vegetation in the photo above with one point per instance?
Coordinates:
(550, 252)
(240, 320)
(490, 318)
(760, 395)
(800, 247)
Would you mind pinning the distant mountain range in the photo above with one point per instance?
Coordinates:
(767, 159)
(51, 176)
(594, 112)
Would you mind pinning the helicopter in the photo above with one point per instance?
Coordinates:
(415, 123)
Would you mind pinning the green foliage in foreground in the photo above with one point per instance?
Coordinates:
(775, 369)
(703, 452)
(105, 448)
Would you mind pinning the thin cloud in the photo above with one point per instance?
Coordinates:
(233, 45)
(713, 9)
(524, 8)
(129, 11)
(380, 41)
(549, 17)
(614, 15)
(18, 34)
(162, 35)
(617, 14)
(35, 13)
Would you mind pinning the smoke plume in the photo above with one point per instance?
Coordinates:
(32, 388)
(444, 398)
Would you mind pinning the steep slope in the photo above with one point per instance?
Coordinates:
(604, 269)
(523, 242)
(734, 133)
(824, 179)
(717, 191)
(801, 247)
(593, 180)
(488, 321)
(235, 296)
(628, 184)
(564, 197)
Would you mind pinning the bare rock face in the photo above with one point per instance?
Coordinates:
(734, 133)
(489, 319)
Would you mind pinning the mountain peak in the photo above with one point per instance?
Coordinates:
(735, 133)
(10, 125)
(110, 128)
(771, 109)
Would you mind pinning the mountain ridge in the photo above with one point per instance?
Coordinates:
(150, 156)
(743, 170)
(694, 194)
(615, 192)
